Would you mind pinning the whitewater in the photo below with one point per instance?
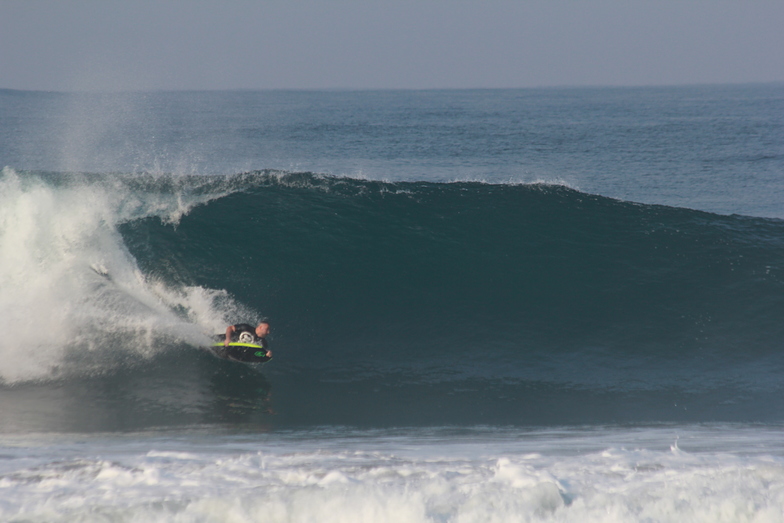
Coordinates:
(511, 305)
(428, 475)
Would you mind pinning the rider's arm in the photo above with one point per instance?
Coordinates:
(229, 331)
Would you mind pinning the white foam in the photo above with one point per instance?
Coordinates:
(69, 285)
(461, 480)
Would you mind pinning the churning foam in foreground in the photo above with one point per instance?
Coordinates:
(71, 291)
(550, 476)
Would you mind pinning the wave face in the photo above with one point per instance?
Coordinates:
(394, 303)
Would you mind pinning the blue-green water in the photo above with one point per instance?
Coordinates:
(461, 270)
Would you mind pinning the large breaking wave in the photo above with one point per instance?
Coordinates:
(535, 301)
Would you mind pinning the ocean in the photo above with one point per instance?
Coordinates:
(516, 305)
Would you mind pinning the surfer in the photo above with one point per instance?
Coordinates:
(247, 334)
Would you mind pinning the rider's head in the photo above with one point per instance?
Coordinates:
(262, 329)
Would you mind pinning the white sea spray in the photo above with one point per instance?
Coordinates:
(69, 286)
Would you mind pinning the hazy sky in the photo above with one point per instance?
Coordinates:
(309, 44)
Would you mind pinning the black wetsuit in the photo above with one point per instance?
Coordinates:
(244, 327)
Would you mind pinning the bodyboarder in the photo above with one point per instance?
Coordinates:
(246, 333)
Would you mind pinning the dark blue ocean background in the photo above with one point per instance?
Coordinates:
(426, 258)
